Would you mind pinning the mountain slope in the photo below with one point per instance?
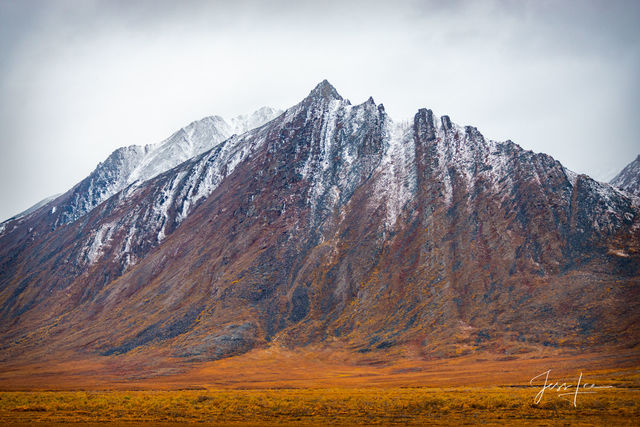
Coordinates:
(629, 178)
(137, 164)
(334, 224)
(37, 206)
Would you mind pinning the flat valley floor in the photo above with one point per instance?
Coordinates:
(315, 386)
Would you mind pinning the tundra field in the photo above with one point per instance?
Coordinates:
(278, 386)
(345, 406)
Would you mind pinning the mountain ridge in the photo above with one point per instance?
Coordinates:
(139, 163)
(628, 179)
(332, 223)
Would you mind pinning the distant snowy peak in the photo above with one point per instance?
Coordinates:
(245, 122)
(194, 139)
(629, 178)
(128, 165)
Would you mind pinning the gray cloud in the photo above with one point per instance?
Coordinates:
(81, 78)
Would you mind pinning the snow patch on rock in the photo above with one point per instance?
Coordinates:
(100, 239)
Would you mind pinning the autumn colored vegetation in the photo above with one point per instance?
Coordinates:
(320, 406)
(323, 387)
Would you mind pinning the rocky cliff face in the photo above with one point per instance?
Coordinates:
(333, 223)
(629, 178)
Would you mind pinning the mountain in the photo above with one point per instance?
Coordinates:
(35, 207)
(136, 164)
(629, 178)
(331, 224)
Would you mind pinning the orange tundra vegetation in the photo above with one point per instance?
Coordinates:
(418, 406)
(323, 386)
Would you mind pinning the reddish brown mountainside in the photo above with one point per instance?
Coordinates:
(332, 224)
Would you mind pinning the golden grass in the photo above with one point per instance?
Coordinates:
(315, 386)
(344, 406)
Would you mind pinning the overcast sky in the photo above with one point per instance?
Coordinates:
(80, 78)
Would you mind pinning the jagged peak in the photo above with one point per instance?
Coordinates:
(370, 105)
(446, 122)
(426, 115)
(324, 90)
(424, 125)
(474, 133)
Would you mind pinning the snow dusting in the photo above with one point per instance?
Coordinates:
(629, 178)
(137, 164)
(101, 238)
(398, 180)
(344, 146)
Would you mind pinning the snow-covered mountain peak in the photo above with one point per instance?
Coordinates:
(137, 164)
(245, 122)
(629, 178)
(194, 139)
(332, 204)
